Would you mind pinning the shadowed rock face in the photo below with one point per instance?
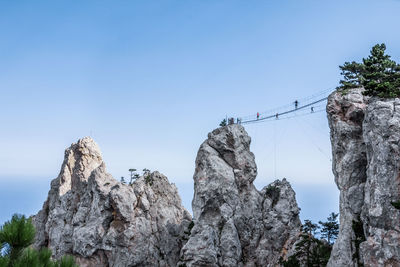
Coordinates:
(365, 136)
(103, 222)
(235, 224)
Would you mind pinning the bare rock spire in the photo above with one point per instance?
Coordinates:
(102, 222)
(79, 162)
(234, 223)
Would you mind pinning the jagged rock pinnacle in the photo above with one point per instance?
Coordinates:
(102, 222)
(80, 159)
(235, 224)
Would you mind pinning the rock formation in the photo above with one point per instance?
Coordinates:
(365, 136)
(346, 115)
(103, 222)
(234, 223)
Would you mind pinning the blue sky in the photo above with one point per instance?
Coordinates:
(149, 79)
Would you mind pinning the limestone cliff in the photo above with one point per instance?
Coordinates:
(234, 223)
(365, 136)
(103, 222)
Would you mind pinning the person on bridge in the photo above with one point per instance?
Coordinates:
(296, 104)
(258, 115)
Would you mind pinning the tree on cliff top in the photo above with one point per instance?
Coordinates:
(330, 229)
(16, 237)
(378, 74)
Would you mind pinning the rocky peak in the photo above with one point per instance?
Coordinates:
(103, 222)
(80, 159)
(233, 145)
(365, 136)
(234, 223)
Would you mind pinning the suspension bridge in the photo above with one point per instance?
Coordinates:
(309, 105)
(300, 107)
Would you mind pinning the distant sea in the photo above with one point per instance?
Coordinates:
(23, 195)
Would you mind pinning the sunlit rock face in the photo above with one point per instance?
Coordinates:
(365, 136)
(234, 223)
(103, 222)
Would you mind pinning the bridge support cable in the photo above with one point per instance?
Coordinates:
(311, 140)
(312, 103)
(277, 115)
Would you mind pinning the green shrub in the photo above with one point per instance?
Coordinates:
(396, 204)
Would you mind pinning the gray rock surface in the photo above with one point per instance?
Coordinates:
(365, 136)
(103, 222)
(380, 219)
(234, 223)
(345, 116)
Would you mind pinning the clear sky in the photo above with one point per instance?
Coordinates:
(149, 79)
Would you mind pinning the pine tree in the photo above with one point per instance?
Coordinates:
(16, 237)
(292, 261)
(133, 176)
(352, 74)
(304, 248)
(310, 251)
(330, 229)
(320, 254)
(147, 176)
(382, 76)
(378, 74)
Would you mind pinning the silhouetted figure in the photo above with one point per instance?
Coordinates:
(258, 115)
(296, 104)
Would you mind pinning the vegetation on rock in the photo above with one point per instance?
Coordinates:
(311, 251)
(330, 229)
(378, 74)
(147, 176)
(396, 204)
(16, 237)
